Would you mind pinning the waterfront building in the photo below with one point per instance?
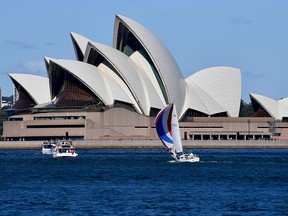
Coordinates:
(116, 92)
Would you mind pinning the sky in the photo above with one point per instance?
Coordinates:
(247, 34)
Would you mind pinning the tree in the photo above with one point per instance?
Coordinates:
(246, 110)
(3, 114)
(3, 117)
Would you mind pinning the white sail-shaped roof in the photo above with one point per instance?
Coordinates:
(276, 109)
(221, 85)
(166, 66)
(198, 99)
(129, 73)
(116, 79)
(36, 86)
(284, 101)
(283, 107)
(79, 43)
(47, 61)
(139, 70)
(101, 84)
(155, 96)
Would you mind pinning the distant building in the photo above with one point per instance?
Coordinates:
(3, 103)
(15, 95)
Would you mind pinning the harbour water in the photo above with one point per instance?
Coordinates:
(144, 182)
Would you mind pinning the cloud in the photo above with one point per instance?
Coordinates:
(254, 74)
(241, 20)
(35, 67)
(50, 44)
(20, 44)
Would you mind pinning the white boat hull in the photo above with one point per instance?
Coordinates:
(187, 158)
(195, 159)
(46, 151)
(59, 155)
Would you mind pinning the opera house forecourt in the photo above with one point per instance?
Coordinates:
(114, 93)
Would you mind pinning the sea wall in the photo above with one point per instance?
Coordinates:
(151, 144)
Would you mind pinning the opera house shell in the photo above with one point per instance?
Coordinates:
(117, 91)
(268, 107)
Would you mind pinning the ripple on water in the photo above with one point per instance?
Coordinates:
(225, 182)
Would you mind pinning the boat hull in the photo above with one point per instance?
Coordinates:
(187, 158)
(195, 159)
(46, 151)
(60, 155)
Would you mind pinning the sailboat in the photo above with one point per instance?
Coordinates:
(167, 128)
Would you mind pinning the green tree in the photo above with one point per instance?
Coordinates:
(8, 99)
(3, 117)
(246, 110)
(3, 114)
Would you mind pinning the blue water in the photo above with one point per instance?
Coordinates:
(144, 182)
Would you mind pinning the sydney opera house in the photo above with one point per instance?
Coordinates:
(115, 92)
(268, 107)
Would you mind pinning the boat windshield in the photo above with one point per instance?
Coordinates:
(66, 146)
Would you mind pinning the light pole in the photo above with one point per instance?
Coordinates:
(249, 129)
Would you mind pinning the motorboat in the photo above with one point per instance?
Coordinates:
(46, 147)
(64, 148)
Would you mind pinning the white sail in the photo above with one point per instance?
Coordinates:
(177, 147)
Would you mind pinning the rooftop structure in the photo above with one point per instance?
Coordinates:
(268, 107)
(138, 73)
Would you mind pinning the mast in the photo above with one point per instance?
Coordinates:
(177, 148)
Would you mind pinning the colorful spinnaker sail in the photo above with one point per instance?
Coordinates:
(167, 128)
(163, 127)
